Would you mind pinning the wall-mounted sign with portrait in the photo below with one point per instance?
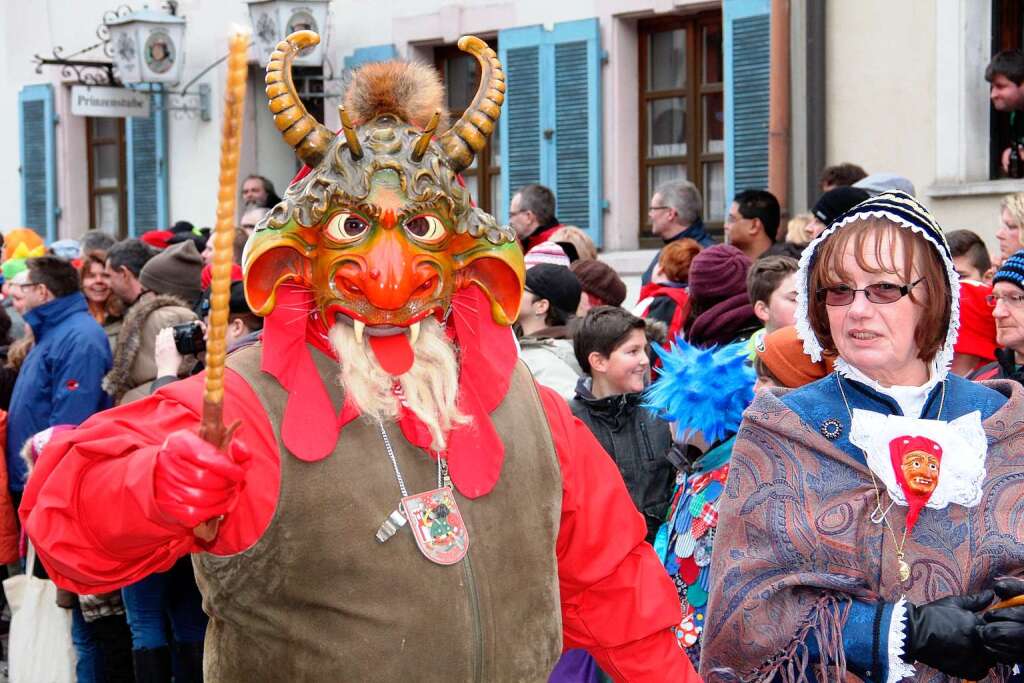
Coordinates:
(159, 53)
(148, 46)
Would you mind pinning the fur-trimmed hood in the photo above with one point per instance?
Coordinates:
(134, 364)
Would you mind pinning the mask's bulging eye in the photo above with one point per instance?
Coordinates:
(426, 228)
(346, 227)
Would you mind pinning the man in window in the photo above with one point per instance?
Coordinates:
(675, 213)
(1005, 74)
(753, 222)
(532, 215)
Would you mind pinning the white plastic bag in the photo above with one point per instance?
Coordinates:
(39, 646)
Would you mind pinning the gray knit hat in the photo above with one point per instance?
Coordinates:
(176, 270)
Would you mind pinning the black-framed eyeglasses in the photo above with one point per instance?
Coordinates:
(878, 293)
(658, 208)
(516, 213)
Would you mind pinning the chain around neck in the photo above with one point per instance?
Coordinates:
(900, 544)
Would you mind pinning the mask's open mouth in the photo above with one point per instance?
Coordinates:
(362, 330)
(391, 344)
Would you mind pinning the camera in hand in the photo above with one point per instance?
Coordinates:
(1015, 166)
(188, 338)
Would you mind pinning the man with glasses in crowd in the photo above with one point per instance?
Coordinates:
(753, 222)
(531, 213)
(675, 213)
(1007, 301)
(59, 382)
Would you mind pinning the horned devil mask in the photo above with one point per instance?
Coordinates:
(380, 230)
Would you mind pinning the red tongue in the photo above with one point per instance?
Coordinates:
(393, 352)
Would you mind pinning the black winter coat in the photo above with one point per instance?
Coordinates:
(637, 440)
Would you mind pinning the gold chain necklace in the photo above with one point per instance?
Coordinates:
(904, 568)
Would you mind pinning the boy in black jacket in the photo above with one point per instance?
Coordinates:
(611, 347)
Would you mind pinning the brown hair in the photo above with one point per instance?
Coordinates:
(604, 329)
(19, 350)
(767, 274)
(762, 371)
(827, 271)
(841, 175)
(676, 257)
(112, 308)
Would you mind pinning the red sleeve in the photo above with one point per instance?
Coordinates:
(88, 505)
(617, 600)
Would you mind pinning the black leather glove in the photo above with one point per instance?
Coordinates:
(1003, 631)
(944, 634)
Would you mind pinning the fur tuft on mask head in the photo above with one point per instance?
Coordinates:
(409, 90)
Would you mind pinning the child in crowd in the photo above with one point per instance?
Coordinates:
(550, 298)
(970, 256)
(669, 296)
(771, 284)
(704, 393)
(601, 285)
(611, 347)
(780, 361)
(719, 310)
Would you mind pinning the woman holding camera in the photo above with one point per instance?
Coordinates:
(872, 519)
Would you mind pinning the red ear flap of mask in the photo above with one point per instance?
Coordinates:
(499, 273)
(268, 271)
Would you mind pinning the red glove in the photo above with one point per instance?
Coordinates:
(193, 482)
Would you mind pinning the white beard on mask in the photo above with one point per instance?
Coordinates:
(429, 389)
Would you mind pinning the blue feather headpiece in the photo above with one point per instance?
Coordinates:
(702, 390)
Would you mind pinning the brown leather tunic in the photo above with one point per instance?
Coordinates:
(317, 598)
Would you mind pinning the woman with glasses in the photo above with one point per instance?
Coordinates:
(872, 517)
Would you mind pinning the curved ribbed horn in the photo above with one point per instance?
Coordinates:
(469, 134)
(423, 141)
(354, 148)
(305, 134)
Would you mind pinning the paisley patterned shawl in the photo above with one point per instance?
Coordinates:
(795, 543)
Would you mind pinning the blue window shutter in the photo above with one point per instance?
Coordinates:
(577, 125)
(145, 139)
(375, 53)
(552, 117)
(519, 50)
(37, 131)
(747, 69)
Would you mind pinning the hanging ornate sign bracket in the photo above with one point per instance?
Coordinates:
(190, 102)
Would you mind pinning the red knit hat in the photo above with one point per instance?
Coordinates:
(977, 326)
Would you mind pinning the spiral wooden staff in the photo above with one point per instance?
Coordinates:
(212, 428)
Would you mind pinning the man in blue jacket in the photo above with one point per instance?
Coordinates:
(59, 382)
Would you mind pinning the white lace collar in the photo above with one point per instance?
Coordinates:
(911, 400)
